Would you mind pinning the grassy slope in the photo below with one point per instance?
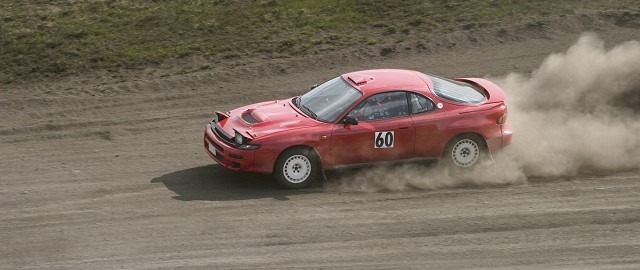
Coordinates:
(40, 38)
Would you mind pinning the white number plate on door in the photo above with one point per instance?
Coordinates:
(383, 139)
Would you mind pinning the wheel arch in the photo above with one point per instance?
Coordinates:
(478, 136)
(299, 146)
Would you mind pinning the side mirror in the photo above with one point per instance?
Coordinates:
(350, 119)
(313, 86)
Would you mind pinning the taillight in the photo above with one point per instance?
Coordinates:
(502, 119)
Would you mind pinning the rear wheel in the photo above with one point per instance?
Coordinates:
(465, 151)
(296, 168)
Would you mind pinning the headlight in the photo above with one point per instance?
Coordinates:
(239, 138)
(215, 118)
(243, 142)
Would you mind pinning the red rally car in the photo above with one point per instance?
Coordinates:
(359, 118)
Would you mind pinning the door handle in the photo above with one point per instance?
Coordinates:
(404, 128)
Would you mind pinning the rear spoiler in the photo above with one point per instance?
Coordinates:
(494, 93)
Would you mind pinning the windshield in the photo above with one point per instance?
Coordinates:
(456, 91)
(329, 100)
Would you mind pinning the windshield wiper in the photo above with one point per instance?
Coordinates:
(311, 113)
(305, 108)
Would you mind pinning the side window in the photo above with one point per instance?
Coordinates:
(420, 104)
(382, 106)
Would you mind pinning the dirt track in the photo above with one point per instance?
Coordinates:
(113, 175)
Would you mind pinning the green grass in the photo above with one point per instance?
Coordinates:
(40, 38)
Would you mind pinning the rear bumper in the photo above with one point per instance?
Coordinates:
(507, 134)
(500, 139)
(228, 156)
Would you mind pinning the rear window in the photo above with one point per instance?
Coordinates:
(456, 91)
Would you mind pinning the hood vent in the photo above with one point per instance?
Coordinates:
(247, 117)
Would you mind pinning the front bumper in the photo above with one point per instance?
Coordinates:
(227, 155)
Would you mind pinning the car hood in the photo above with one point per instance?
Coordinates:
(262, 119)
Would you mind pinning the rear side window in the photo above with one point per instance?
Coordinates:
(420, 104)
(456, 91)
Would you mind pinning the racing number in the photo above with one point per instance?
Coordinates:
(383, 139)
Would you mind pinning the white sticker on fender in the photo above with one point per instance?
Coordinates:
(383, 139)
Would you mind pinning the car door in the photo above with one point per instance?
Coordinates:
(428, 139)
(384, 131)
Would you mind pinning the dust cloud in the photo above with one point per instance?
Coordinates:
(578, 112)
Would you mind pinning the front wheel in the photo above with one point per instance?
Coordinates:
(296, 168)
(464, 151)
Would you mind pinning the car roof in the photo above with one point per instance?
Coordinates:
(380, 80)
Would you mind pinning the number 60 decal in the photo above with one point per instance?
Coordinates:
(383, 139)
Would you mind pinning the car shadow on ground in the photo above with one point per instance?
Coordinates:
(214, 183)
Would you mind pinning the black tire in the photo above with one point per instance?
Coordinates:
(297, 168)
(465, 151)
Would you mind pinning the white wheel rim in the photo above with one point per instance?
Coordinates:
(465, 153)
(297, 168)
